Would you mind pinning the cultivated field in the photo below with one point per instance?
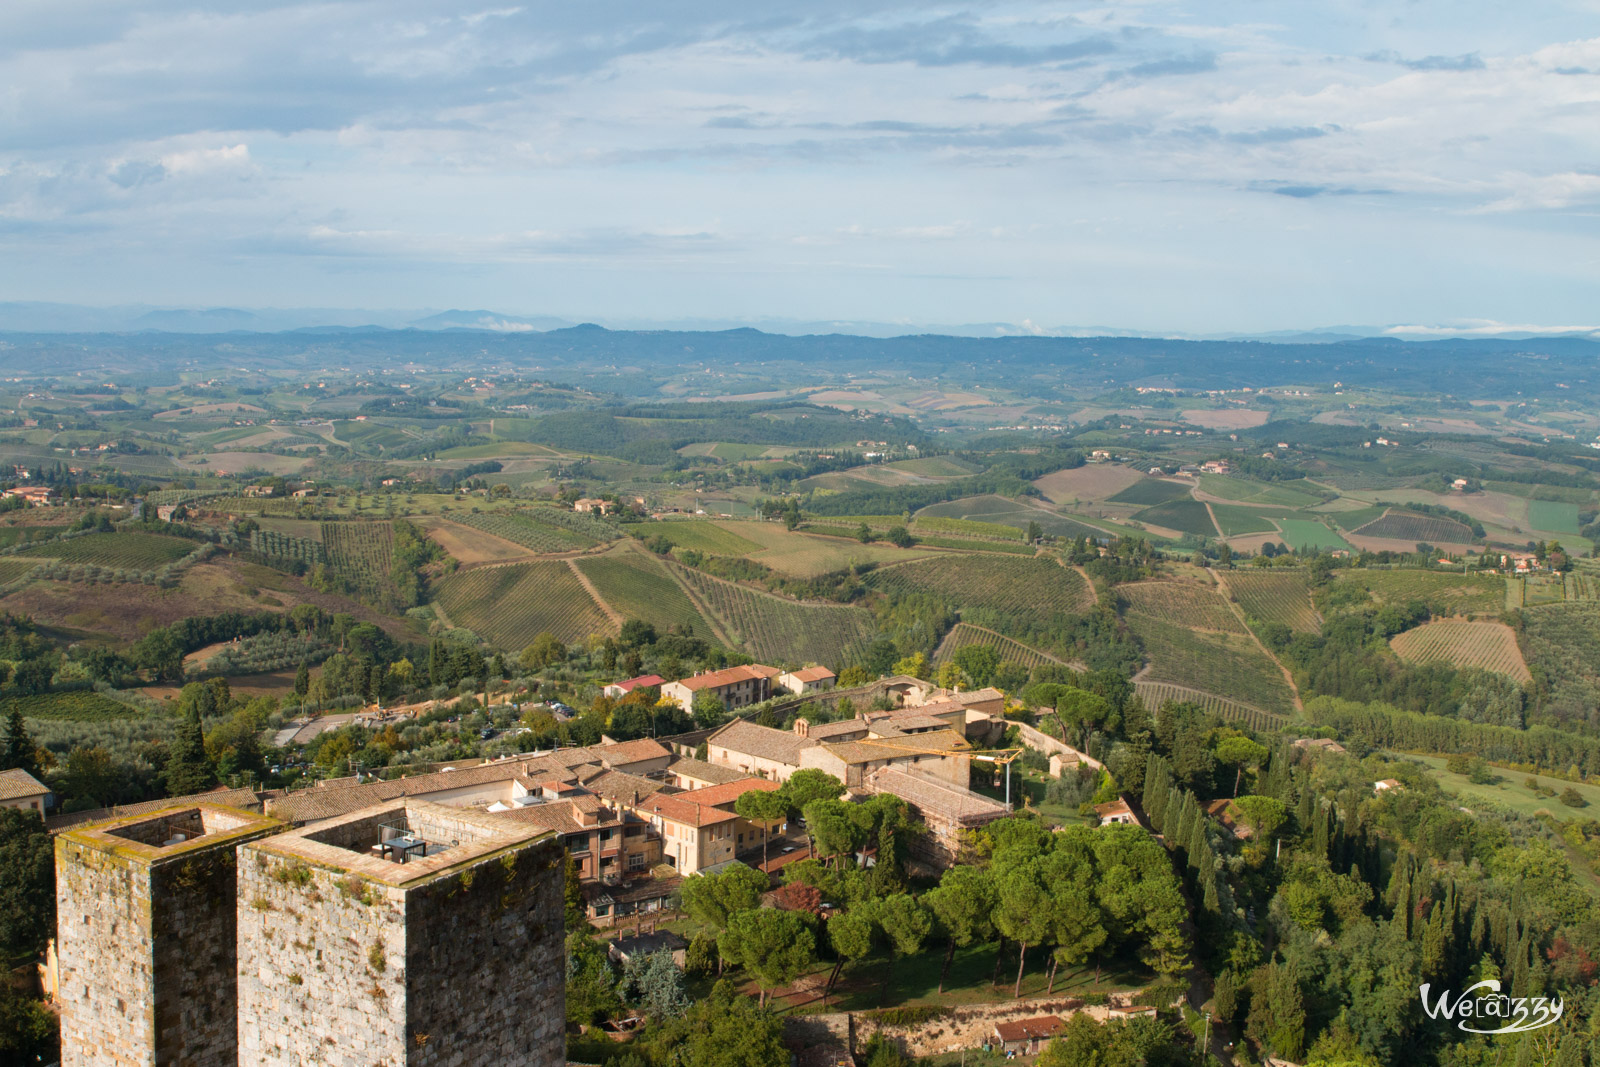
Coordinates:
(1510, 790)
(361, 551)
(1304, 535)
(1553, 516)
(806, 556)
(1275, 595)
(1187, 604)
(1092, 482)
(1155, 694)
(81, 706)
(1491, 646)
(524, 529)
(1410, 526)
(133, 551)
(510, 605)
(1185, 516)
(699, 535)
(935, 523)
(1026, 598)
(779, 631)
(1001, 511)
(1149, 491)
(471, 545)
(1244, 491)
(1236, 520)
(964, 633)
(1226, 418)
(639, 587)
(1228, 665)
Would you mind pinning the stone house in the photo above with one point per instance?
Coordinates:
(807, 680)
(19, 789)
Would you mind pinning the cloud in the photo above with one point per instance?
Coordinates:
(1469, 61)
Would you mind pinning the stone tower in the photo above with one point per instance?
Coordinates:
(145, 936)
(456, 956)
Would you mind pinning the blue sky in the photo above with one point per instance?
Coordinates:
(1151, 165)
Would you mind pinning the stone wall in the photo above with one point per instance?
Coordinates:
(463, 968)
(103, 913)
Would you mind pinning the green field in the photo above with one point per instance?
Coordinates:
(1148, 491)
(969, 527)
(639, 587)
(1445, 592)
(1552, 516)
(1185, 516)
(937, 467)
(1304, 535)
(1236, 520)
(10, 535)
(1355, 518)
(1228, 665)
(1275, 594)
(699, 535)
(1510, 791)
(511, 605)
(84, 705)
(1029, 599)
(1242, 491)
(779, 631)
(133, 551)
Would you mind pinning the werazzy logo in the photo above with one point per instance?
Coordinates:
(1514, 1014)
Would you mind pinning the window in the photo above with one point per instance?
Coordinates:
(636, 862)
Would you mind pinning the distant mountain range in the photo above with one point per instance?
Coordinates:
(38, 317)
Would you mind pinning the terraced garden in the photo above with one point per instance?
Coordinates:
(775, 630)
(1228, 665)
(1182, 604)
(510, 605)
(638, 587)
(1491, 646)
(1275, 595)
(1029, 599)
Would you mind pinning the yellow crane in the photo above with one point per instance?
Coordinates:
(1003, 756)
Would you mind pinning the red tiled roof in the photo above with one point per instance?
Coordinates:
(643, 680)
(811, 674)
(681, 811)
(626, 752)
(1025, 1029)
(728, 676)
(715, 795)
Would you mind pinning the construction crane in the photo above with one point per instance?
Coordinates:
(1005, 756)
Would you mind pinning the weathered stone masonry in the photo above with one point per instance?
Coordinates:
(351, 960)
(146, 938)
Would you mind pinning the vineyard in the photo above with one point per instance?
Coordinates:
(1155, 694)
(1409, 526)
(1148, 491)
(1236, 520)
(287, 546)
(123, 551)
(1182, 604)
(1185, 516)
(511, 605)
(774, 630)
(1026, 598)
(1224, 664)
(252, 505)
(638, 587)
(521, 528)
(967, 527)
(262, 653)
(362, 552)
(964, 634)
(1491, 646)
(83, 705)
(1275, 595)
(579, 522)
(701, 536)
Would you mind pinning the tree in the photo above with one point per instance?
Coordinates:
(1240, 752)
(188, 770)
(1263, 814)
(726, 1030)
(714, 898)
(1083, 710)
(915, 666)
(302, 681)
(977, 662)
(774, 946)
(20, 751)
(764, 807)
(906, 922)
(655, 984)
(833, 828)
(591, 982)
(29, 1032)
(708, 710)
(900, 537)
(963, 903)
(572, 896)
(546, 650)
(950, 675)
(864, 534)
(1076, 926)
(850, 934)
(1022, 912)
(27, 885)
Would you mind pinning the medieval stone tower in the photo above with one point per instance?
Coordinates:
(145, 936)
(409, 933)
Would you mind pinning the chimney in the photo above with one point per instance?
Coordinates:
(636, 798)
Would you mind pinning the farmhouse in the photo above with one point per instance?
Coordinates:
(1116, 811)
(1026, 1036)
(19, 789)
(809, 680)
(1319, 744)
(618, 690)
(592, 504)
(734, 686)
(36, 495)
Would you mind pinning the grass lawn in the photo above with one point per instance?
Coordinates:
(1511, 793)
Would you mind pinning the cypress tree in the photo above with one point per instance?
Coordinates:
(20, 752)
(188, 771)
(302, 680)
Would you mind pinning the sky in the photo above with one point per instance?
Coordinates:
(1148, 165)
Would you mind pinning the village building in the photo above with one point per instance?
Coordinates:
(1319, 744)
(19, 789)
(807, 680)
(734, 686)
(618, 690)
(36, 495)
(1025, 1037)
(1116, 811)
